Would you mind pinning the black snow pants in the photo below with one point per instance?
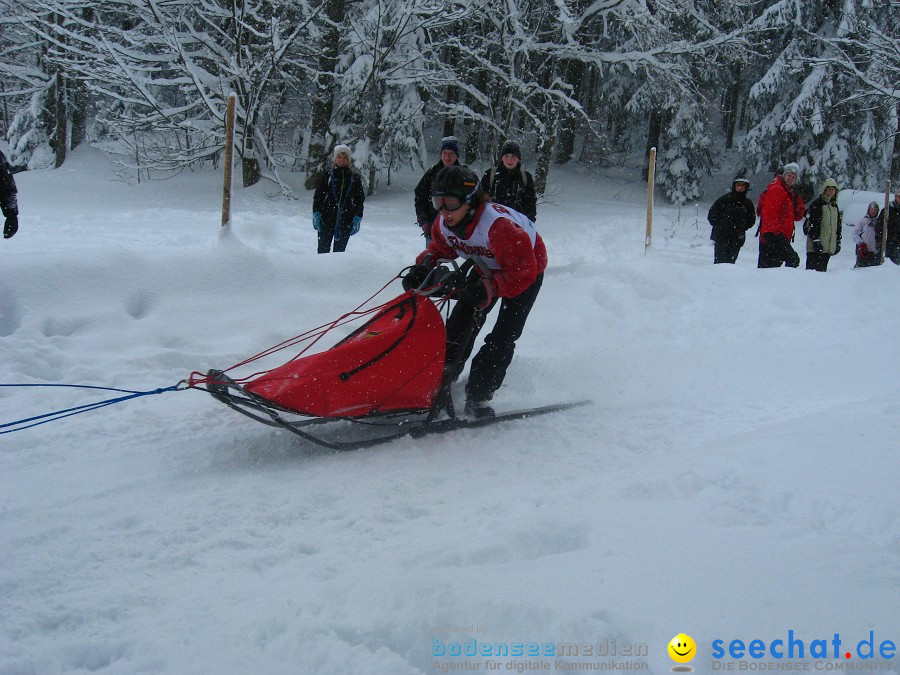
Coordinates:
(326, 234)
(869, 259)
(775, 250)
(817, 261)
(727, 249)
(490, 363)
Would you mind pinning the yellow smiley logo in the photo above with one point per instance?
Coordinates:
(682, 648)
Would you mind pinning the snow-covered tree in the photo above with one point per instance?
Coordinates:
(865, 50)
(808, 80)
(39, 133)
(164, 70)
(810, 106)
(374, 103)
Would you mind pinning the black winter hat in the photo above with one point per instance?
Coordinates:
(511, 148)
(450, 143)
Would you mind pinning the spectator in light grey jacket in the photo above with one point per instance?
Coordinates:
(865, 235)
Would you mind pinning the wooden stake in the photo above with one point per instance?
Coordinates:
(229, 159)
(651, 171)
(884, 221)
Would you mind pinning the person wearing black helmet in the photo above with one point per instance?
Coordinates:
(502, 241)
(731, 215)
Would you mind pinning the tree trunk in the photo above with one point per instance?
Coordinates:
(729, 120)
(474, 128)
(60, 136)
(452, 98)
(323, 98)
(78, 94)
(451, 101)
(5, 126)
(566, 143)
(653, 134)
(250, 171)
(79, 97)
(374, 129)
(545, 146)
(895, 158)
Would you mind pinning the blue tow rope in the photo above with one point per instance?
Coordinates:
(28, 422)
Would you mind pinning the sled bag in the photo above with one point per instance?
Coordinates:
(394, 362)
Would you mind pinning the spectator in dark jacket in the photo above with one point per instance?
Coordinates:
(338, 203)
(508, 183)
(823, 227)
(892, 248)
(8, 198)
(731, 215)
(425, 211)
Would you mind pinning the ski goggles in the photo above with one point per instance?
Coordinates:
(447, 202)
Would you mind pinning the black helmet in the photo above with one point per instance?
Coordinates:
(457, 181)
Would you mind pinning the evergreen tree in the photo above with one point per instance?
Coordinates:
(808, 105)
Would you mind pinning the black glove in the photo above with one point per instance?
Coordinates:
(11, 226)
(475, 294)
(415, 277)
(837, 248)
(817, 246)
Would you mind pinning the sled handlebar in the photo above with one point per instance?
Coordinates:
(442, 279)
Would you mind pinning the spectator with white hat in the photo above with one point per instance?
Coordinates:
(780, 206)
(338, 202)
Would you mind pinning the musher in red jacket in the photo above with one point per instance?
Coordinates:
(504, 241)
(779, 206)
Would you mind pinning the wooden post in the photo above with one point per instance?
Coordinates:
(229, 160)
(651, 171)
(884, 221)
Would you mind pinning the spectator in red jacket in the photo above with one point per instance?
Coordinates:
(780, 206)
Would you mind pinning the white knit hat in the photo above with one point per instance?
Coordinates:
(341, 148)
(792, 167)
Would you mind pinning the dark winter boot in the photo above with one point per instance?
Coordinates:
(478, 409)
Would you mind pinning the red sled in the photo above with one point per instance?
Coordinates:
(395, 362)
(385, 380)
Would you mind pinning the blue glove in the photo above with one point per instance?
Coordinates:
(317, 220)
(356, 221)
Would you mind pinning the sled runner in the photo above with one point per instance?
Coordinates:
(385, 380)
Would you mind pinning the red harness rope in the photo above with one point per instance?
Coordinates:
(311, 337)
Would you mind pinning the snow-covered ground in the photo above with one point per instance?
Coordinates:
(736, 476)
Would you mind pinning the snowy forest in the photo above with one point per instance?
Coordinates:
(711, 83)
